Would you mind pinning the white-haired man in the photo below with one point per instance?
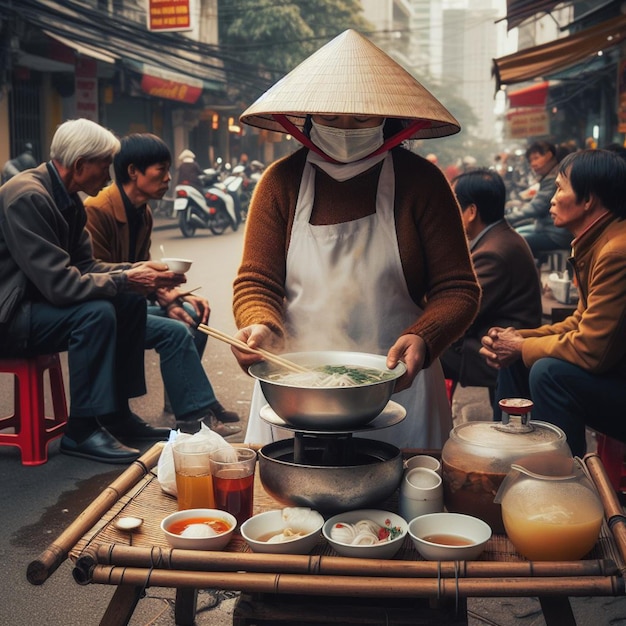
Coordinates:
(54, 296)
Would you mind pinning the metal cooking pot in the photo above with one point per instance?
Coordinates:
(331, 408)
(374, 474)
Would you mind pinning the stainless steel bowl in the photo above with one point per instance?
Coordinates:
(373, 476)
(331, 408)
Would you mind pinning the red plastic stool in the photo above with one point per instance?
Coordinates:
(33, 429)
(450, 385)
(611, 453)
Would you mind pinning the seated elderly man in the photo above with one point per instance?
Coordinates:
(575, 371)
(506, 272)
(541, 234)
(120, 222)
(54, 296)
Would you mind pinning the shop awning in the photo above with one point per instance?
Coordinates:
(118, 38)
(519, 10)
(552, 57)
(532, 96)
(89, 51)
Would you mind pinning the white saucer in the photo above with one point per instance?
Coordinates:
(391, 415)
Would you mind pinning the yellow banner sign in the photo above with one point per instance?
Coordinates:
(169, 15)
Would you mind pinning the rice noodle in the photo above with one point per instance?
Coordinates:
(330, 376)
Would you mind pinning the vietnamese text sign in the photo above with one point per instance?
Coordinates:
(86, 91)
(169, 15)
(531, 123)
(172, 90)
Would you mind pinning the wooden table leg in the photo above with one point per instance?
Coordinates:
(185, 607)
(557, 611)
(122, 605)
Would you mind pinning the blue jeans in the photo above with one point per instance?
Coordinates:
(545, 239)
(104, 343)
(186, 383)
(569, 397)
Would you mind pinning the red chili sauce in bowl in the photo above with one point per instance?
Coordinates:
(217, 524)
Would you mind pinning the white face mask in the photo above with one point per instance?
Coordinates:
(346, 144)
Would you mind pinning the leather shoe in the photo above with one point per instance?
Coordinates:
(225, 430)
(222, 414)
(193, 426)
(132, 428)
(100, 446)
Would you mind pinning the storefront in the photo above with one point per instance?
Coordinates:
(575, 90)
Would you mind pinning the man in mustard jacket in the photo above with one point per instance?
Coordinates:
(575, 371)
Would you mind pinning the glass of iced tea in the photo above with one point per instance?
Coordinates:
(193, 475)
(233, 481)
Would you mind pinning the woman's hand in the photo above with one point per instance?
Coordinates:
(255, 336)
(411, 350)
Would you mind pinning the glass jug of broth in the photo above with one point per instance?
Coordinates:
(550, 508)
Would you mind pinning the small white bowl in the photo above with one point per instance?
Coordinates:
(382, 550)
(263, 524)
(467, 527)
(179, 266)
(215, 542)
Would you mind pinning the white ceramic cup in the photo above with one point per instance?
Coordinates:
(422, 460)
(421, 492)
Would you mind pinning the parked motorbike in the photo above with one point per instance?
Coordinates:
(212, 208)
(241, 184)
(234, 184)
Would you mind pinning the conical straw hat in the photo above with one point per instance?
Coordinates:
(350, 75)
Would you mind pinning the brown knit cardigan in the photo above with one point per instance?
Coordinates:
(432, 243)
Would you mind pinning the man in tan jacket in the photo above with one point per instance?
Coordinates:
(575, 371)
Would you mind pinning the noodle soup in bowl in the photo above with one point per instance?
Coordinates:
(343, 390)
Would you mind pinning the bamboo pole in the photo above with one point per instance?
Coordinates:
(180, 560)
(49, 560)
(360, 586)
(613, 510)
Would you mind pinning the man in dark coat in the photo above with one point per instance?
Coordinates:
(506, 271)
(54, 296)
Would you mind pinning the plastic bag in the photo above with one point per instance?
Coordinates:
(165, 467)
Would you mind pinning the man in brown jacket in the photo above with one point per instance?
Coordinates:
(575, 371)
(120, 222)
(506, 271)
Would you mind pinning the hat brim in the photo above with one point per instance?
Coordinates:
(351, 76)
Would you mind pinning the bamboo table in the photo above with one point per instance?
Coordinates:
(104, 555)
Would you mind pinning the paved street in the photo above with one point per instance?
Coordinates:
(38, 503)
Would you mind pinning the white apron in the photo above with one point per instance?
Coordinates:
(346, 291)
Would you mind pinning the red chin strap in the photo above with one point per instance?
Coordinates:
(393, 141)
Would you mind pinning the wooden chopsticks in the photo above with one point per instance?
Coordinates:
(268, 356)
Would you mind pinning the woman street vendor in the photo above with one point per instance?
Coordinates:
(353, 242)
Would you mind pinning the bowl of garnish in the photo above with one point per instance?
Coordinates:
(199, 529)
(366, 533)
(292, 530)
(449, 536)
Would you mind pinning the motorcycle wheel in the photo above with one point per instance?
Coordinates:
(220, 222)
(187, 228)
